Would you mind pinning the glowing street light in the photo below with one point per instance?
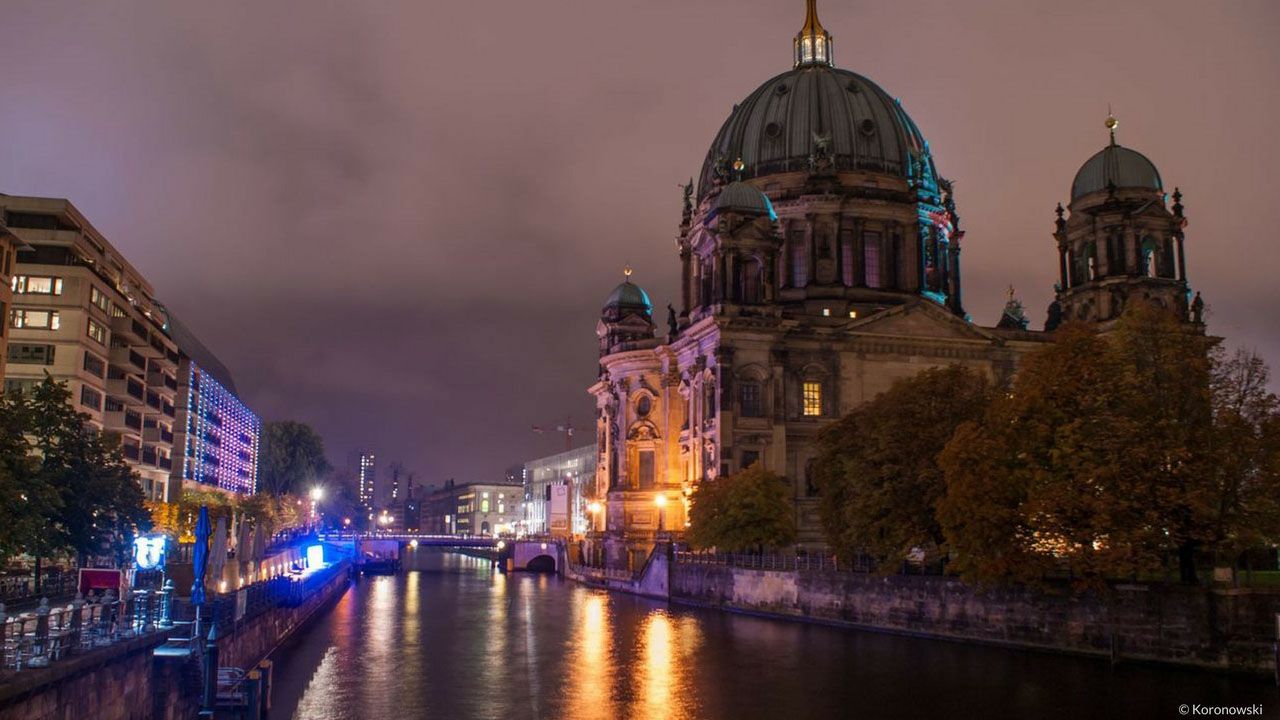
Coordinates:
(660, 500)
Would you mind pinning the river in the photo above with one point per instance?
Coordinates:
(451, 638)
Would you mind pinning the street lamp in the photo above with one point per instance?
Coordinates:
(317, 494)
(594, 507)
(661, 501)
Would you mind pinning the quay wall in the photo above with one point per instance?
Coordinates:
(1227, 629)
(126, 681)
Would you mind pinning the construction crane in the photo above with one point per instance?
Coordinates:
(566, 428)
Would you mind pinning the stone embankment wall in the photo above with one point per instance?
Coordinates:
(126, 681)
(1226, 629)
(251, 641)
(121, 681)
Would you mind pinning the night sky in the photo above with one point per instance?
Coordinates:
(397, 220)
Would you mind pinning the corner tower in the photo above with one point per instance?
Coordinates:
(1119, 241)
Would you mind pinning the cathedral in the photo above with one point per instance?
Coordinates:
(820, 263)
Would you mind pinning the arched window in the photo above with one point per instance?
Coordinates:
(1115, 254)
(1149, 259)
(846, 258)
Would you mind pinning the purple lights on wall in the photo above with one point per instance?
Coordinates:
(221, 436)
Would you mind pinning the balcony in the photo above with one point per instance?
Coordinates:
(121, 390)
(129, 330)
(161, 381)
(127, 359)
(157, 434)
(131, 452)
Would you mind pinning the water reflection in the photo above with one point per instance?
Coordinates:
(451, 638)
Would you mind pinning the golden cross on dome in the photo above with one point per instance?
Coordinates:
(626, 271)
(1112, 123)
(1009, 293)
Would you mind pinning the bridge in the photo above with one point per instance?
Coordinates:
(540, 554)
(423, 539)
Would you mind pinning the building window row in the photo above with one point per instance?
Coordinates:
(31, 354)
(99, 300)
(94, 365)
(36, 285)
(36, 319)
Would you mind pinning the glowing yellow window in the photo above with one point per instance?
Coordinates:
(812, 399)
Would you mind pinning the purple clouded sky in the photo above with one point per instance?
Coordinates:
(397, 220)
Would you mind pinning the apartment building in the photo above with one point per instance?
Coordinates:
(9, 245)
(83, 314)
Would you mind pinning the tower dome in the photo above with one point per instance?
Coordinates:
(628, 298)
(1117, 166)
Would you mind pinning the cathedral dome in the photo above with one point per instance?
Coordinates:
(629, 296)
(778, 127)
(1115, 165)
(741, 197)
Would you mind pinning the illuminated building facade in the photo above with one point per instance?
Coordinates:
(472, 509)
(86, 316)
(573, 470)
(820, 263)
(218, 437)
(367, 474)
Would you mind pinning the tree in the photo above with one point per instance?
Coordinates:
(1026, 483)
(26, 499)
(1113, 454)
(1244, 465)
(750, 509)
(877, 471)
(293, 457)
(99, 503)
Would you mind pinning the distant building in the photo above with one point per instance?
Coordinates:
(567, 514)
(367, 474)
(472, 509)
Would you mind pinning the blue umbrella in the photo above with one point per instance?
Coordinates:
(200, 557)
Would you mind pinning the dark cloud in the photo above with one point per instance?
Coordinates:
(397, 220)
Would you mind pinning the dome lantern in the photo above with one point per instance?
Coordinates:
(813, 42)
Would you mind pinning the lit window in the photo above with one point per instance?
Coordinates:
(98, 298)
(484, 505)
(853, 313)
(97, 332)
(826, 312)
(36, 285)
(812, 399)
(43, 319)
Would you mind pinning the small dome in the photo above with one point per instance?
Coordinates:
(629, 296)
(743, 198)
(1116, 165)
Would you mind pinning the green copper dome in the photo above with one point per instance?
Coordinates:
(629, 296)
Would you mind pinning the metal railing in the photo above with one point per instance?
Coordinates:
(859, 563)
(22, 589)
(47, 634)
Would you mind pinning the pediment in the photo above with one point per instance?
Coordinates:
(919, 319)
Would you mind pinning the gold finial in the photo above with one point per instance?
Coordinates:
(1112, 123)
(626, 271)
(1009, 293)
(812, 26)
(738, 165)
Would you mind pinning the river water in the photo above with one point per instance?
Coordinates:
(451, 638)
